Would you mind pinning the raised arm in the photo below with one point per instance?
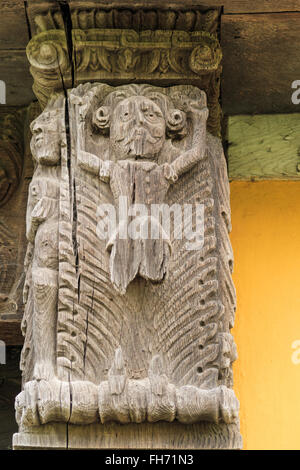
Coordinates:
(91, 163)
(189, 158)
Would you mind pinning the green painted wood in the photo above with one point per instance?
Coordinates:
(264, 146)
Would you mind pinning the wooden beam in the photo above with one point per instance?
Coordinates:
(14, 37)
(13, 26)
(10, 332)
(254, 6)
(14, 71)
(260, 57)
(229, 6)
(264, 147)
(261, 60)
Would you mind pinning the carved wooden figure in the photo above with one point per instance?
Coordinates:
(138, 130)
(128, 317)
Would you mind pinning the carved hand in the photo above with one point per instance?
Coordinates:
(104, 172)
(170, 173)
(88, 162)
(91, 163)
(197, 112)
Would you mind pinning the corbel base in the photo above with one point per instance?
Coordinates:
(161, 435)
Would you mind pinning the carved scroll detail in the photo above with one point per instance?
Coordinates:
(114, 51)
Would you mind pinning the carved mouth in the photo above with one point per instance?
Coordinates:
(145, 157)
(142, 133)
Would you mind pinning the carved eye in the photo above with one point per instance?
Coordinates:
(152, 115)
(125, 116)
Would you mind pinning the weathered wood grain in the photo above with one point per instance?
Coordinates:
(264, 147)
(261, 60)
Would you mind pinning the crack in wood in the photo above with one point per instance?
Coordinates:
(67, 20)
(27, 20)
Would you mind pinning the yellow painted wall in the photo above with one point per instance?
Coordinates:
(266, 244)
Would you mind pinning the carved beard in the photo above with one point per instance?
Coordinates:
(44, 148)
(139, 143)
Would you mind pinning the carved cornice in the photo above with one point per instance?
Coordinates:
(171, 54)
(116, 55)
(119, 43)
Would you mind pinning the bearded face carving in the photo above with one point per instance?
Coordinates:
(45, 143)
(137, 129)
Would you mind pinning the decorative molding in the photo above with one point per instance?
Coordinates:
(125, 15)
(172, 53)
(119, 44)
(125, 55)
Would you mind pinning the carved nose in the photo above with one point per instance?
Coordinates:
(140, 117)
(37, 130)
